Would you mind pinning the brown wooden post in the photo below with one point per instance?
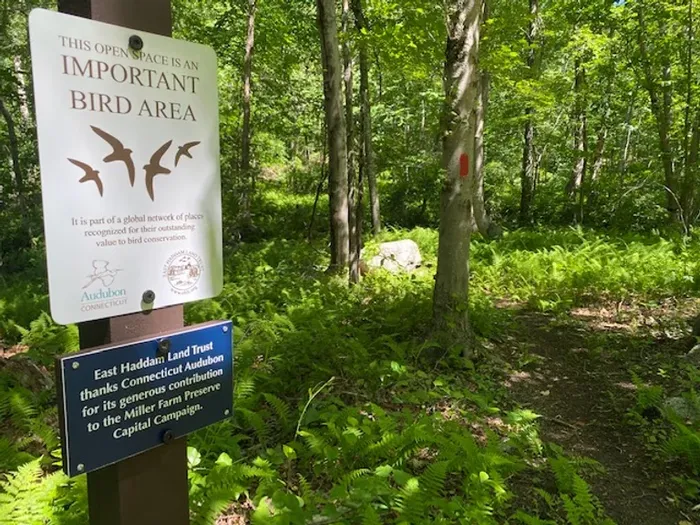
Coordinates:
(150, 488)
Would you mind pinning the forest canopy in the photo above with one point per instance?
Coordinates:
(460, 256)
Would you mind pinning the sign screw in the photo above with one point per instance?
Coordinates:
(227, 412)
(81, 467)
(149, 296)
(136, 42)
(163, 348)
(225, 329)
(168, 437)
(75, 365)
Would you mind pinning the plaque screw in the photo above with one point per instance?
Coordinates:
(227, 412)
(163, 348)
(149, 296)
(225, 329)
(75, 365)
(81, 467)
(168, 437)
(136, 42)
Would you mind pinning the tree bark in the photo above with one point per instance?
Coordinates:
(335, 125)
(579, 169)
(599, 156)
(22, 90)
(16, 168)
(248, 175)
(461, 82)
(689, 131)
(483, 222)
(366, 171)
(366, 158)
(528, 174)
(661, 109)
(350, 133)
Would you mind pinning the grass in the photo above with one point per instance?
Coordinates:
(345, 410)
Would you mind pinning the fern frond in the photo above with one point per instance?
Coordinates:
(433, 480)
(282, 410)
(371, 516)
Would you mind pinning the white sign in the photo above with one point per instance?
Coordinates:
(129, 151)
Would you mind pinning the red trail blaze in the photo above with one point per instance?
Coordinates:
(464, 166)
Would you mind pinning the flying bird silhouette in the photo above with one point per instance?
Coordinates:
(154, 168)
(184, 151)
(90, 174)
(120, 153)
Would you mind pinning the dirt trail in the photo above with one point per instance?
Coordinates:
(583, 393)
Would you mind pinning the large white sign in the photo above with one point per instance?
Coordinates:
(129, 148)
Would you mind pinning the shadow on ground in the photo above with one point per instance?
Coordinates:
(576, 372)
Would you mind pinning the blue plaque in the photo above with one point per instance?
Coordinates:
(118, 401)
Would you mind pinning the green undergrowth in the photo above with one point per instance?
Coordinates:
(346, 411)
(553, 270)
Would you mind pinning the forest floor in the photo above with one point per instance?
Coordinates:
(575, 371)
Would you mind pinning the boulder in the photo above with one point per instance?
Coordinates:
(683, 408)
(693, 357)
(397, 256)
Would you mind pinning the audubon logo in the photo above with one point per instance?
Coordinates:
(105, 296)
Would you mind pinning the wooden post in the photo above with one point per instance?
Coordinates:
(152, 487)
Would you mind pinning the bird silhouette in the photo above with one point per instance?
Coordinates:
(90, 174)
(154, 168)
(184, 151)
(120, 153)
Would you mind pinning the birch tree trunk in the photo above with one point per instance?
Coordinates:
(527, 177)
(461, 82)
(335, 124)
(248, 175)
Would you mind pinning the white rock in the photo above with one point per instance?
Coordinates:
(693, 357)
(397, 256)
(683, 408)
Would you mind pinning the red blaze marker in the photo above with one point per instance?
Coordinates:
(464, 166)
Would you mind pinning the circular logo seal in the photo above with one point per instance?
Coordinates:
(183, 271)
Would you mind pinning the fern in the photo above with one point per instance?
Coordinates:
(564, 473)
(409, 502)
(371, 517)
(433, 480)
(581, 509)
(282, 410)
(686, 444)
(28, 495)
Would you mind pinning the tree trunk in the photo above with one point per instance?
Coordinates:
(335, 124)
(580, 139)
(451, 295)
(350, 133)
(366, 159)
(22, 90)
(16, 168)
(688, 192)
(248, 175)
(661, 109)
(366, 171)
(688, 187)
(599, 156)
(488, 229)
(528, 174)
